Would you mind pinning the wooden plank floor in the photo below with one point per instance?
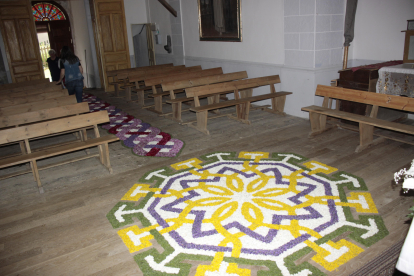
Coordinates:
(65, 230)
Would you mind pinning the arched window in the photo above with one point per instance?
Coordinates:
(47, 12)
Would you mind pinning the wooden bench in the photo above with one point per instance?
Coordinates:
(367, 124)
(38, 86)
(179, 85)
(24, 133)
(116, 81)
(38, 105)
(156, 82)
(10, 101)
(19, 119)
(30, 91)
(139, 84)
(22, 84)
(137, 78)
(242, 90)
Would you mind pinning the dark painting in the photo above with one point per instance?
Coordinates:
(219, 20)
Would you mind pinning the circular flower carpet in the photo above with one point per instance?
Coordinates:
(248, 214)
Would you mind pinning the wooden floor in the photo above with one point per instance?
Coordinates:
(65, 230)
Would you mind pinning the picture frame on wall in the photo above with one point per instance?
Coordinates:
(220, 20)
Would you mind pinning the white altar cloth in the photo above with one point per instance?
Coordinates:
(396, 80)
(406, 260)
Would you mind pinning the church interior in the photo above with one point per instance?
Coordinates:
(85, 219)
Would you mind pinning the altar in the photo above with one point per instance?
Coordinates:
(396, 80)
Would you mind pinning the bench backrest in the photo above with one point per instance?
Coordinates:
(124, 74)
(116, 72)
(22, 84)
(231, 86)
(28, 107)
(29, 91)
(43, 115)
(371, 98)
(33, 98)
(193, 82)
(148, 71)
(156, 74)
(183, 76)
(53, 127)
(33, 106)
(29, 87)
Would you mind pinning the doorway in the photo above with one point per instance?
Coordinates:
(142, 38)
(52, 27)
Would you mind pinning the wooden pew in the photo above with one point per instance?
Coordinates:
(30, 92)
(32, 98)
(38, 105)
(22, 84)
(173, 86)
(116, 81)
(157, 81)
(131, 85)
(367, 124)
(242, 99)
(24, 133)
(142, 76)
(46, 85)
(50, 113)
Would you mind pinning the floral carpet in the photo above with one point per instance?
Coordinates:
(251, 213)
(142, 138)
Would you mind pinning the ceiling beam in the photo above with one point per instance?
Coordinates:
(168, 7)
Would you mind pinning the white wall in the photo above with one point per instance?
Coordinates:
(378, 26)
(262, 23)
(161, 17)
(81, 40)
(135, 13)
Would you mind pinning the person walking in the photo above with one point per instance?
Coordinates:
(71, 69)
(53, 64)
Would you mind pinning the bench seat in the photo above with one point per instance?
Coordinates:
(53, 127)
(239, 101)
(366, 124)
(361, 119)
(53, 151)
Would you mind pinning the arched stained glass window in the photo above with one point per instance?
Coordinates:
(47, 12)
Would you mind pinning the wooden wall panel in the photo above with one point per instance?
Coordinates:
(20, 40)
(110, 27)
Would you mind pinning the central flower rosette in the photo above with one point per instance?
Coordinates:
(260, 208)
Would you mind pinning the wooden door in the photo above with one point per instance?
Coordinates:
(110, 27)
(60, 35)
(20, 39)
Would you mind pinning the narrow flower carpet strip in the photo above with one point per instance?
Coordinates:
(253, 213)
(142, 138)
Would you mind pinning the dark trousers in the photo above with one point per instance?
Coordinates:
(75, 87)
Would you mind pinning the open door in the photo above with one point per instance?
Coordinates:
(111, 36)
(151, 48)
(20, 40)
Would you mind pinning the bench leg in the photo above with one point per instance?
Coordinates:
(212, 100)
(140, 94)
(366, 137)
(318, 124)
(128, 93)
(201, 122)
(22, 147)
(84, 137)
(158, 104)
(33, 165)
(104, 156)
(116, 86)
(176, 108)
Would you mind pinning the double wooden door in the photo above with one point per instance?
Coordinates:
(108, 17)
(59, 33)
(20, 40)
